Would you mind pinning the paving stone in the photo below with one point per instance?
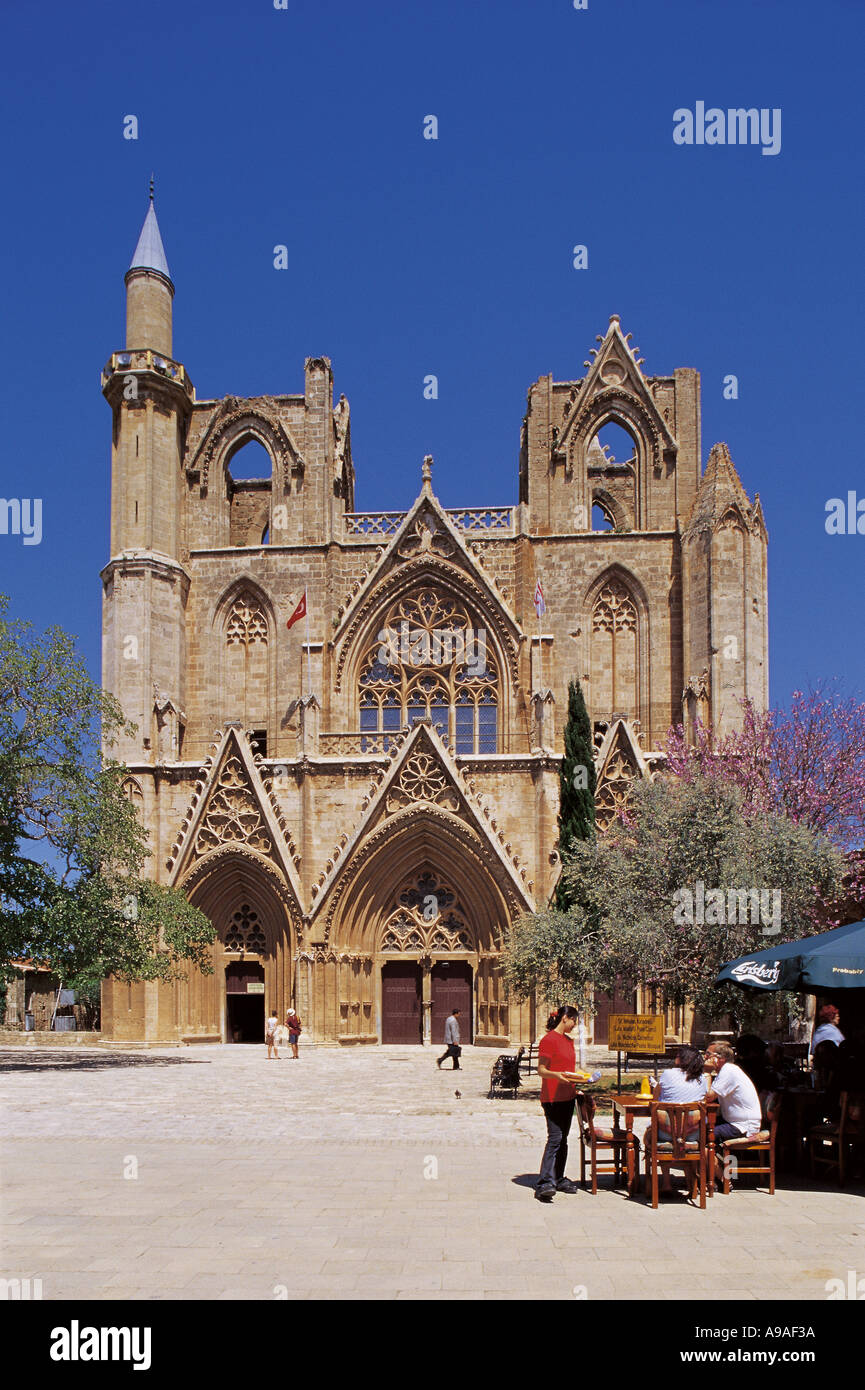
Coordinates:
(233, 1189)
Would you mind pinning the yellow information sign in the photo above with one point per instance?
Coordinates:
(636, 1033)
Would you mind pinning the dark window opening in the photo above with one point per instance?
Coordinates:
(258, 742)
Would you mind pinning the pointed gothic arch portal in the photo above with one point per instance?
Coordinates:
(430, 934)
(252, 955)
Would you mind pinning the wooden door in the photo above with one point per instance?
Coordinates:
(400, 1002)
(451, 989)
(623, 1001)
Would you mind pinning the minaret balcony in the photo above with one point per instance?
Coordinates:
(134, 360)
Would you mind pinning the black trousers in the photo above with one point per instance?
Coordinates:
(559, 1114)
(452, 1050)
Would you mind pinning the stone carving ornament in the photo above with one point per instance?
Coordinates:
(247, 623)
(422, 779)
(426, 917)
(614, 609)
(233, 815)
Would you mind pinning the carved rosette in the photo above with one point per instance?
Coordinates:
(422, 779)
(233, 815)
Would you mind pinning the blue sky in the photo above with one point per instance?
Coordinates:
(304, 127)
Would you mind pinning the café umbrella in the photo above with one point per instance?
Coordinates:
(814, 964)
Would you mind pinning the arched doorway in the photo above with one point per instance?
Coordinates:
(421, 924)
(244, 1002)
(248, 904)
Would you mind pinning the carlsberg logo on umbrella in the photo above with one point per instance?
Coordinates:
(757, 972)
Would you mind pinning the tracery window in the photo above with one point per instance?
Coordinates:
(614, 651)
(245, 932)
(247, 622)
(427, 916)
(430, 660)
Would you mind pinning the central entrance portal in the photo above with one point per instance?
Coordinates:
(401, 1002)
(244, 1002)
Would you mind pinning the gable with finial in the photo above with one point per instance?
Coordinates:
(423, 780)
(426, 546)
(233, 810)
(614, 387)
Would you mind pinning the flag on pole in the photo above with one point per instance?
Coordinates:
(540, 605)
(299, 612)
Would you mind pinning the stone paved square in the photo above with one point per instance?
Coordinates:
(355, 1174)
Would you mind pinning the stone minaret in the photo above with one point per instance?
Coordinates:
(725, 591)
(145, 581)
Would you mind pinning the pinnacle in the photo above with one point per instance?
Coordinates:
(719, 486)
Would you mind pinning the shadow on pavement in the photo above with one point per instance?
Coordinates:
(11, 1059)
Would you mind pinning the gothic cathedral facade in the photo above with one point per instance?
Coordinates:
(362, 801)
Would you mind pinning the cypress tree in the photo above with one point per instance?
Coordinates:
(577, 781)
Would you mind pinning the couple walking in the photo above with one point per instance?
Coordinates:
(277, 1034)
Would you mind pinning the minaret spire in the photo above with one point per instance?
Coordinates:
(149, 289)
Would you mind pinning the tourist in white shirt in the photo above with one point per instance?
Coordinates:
(741, 1115)
(827, 1029)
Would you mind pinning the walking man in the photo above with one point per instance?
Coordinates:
(452, 1039)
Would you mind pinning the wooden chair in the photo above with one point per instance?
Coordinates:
(828, 1144)
(694, 1155)
(760, 1144)
(605, 1149)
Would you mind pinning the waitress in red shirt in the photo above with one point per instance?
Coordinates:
(556, 1063)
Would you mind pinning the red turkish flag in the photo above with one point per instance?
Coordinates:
(299, 612)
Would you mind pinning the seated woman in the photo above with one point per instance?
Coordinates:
(680, 1083)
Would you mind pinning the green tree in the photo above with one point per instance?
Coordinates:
(71, 846)
(630, 916)
(577, 782)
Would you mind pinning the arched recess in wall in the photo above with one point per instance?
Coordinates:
(622, 423)
(255, 918)
(249, 473)
(428, 646)
(243, 654)
(415, 847)
(617, 626)
(730, 591)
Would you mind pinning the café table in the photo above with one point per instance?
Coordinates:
(628, 1107)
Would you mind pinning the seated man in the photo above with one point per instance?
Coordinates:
(741, 1116)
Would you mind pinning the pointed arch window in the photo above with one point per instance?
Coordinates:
(430, 659)
(246, 666)
(247, 622)
(614, 651)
